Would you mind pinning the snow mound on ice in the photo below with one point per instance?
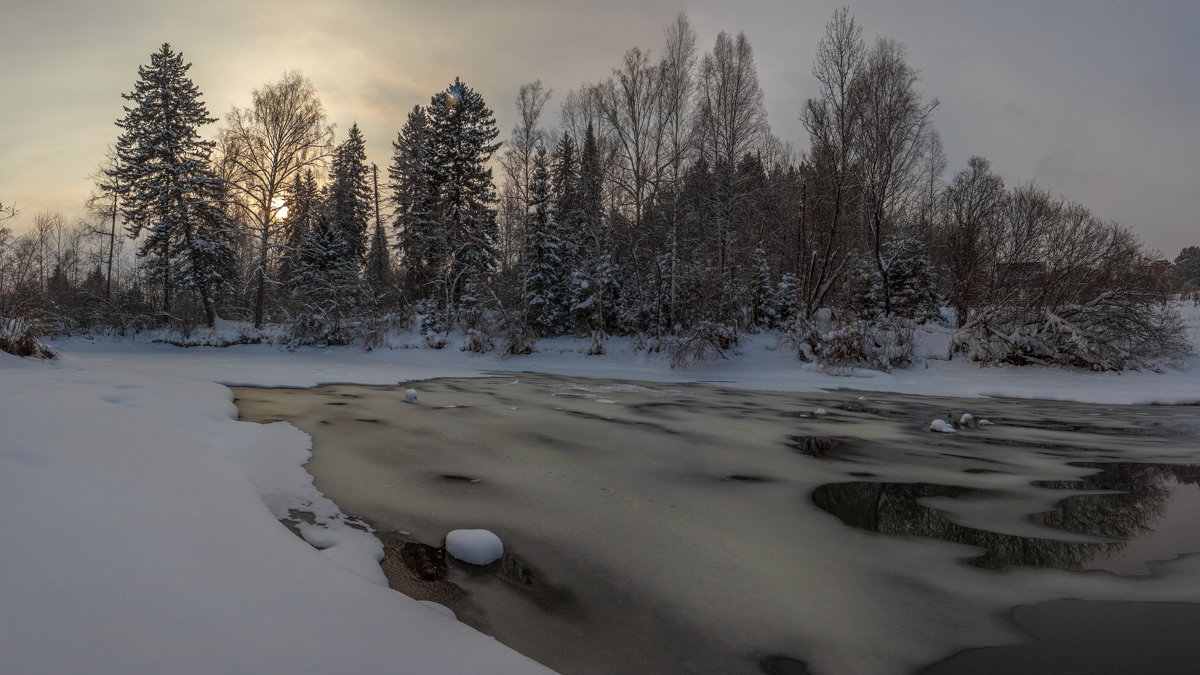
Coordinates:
(478, 547)
(942, 426)
(410, 396)
(966, 420)
(820, 411)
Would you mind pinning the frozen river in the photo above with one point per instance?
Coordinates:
(676, 528)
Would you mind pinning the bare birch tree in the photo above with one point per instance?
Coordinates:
(517, 166)
(264, 147)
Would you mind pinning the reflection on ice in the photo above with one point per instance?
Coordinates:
(676, 528)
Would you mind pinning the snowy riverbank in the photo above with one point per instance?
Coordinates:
(136, 537)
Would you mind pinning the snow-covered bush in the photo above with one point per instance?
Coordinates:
(800, 335)
(19, 336)
(704, 341)
(1114, 331)
(432, 323)
(909, 291)
(881, 343)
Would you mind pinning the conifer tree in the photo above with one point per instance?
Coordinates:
(326, 281)
(167, 187)
(414, 199)
(302, 201)
(542, 264)
(462, 131)
(593, 276)
(565, 187)
(350, 203)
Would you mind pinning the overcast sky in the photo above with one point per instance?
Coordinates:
(1098, 100)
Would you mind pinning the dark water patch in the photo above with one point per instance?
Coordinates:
(973, 458)
(1038, 445)
(336, 403)
(1097, 638)
(617, 420)
(979, 470)
(822, 447)
(740, 478)
(455, 478)
(860, 407)
(861, 474)
(782, 665)
(893, 508)
(1150, 518)
(364, 419)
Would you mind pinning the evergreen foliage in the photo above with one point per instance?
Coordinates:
(543, 266)
(461, 135)
(167, 188)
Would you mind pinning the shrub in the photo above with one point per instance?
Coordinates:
(881, 343)
(19, 336)
(704, 341)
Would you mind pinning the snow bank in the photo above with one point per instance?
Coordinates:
(136, 540)
(761, 364)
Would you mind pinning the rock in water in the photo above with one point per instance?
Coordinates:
(477, 547)
(410, 396)
(942, 426)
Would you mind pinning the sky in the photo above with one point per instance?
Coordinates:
(1097, 100)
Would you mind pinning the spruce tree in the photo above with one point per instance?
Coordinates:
(302, 201)
(462, 131)
(593, 276)
(415, 187)
(167, 187)
(326, 282)
(542, 264)
(350, 202)
(570, 216)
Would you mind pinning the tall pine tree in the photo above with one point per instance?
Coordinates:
(167, 187)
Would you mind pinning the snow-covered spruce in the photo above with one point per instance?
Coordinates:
(477, 547)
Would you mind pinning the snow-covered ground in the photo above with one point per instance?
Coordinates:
(140, 534)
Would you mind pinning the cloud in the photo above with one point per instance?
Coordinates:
(1093, 99)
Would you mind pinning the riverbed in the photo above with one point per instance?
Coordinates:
(677, 528)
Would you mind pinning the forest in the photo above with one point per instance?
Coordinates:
(658, 205)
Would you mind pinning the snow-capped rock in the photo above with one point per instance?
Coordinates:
(477, 547)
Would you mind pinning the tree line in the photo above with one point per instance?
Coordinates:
(660, 206)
